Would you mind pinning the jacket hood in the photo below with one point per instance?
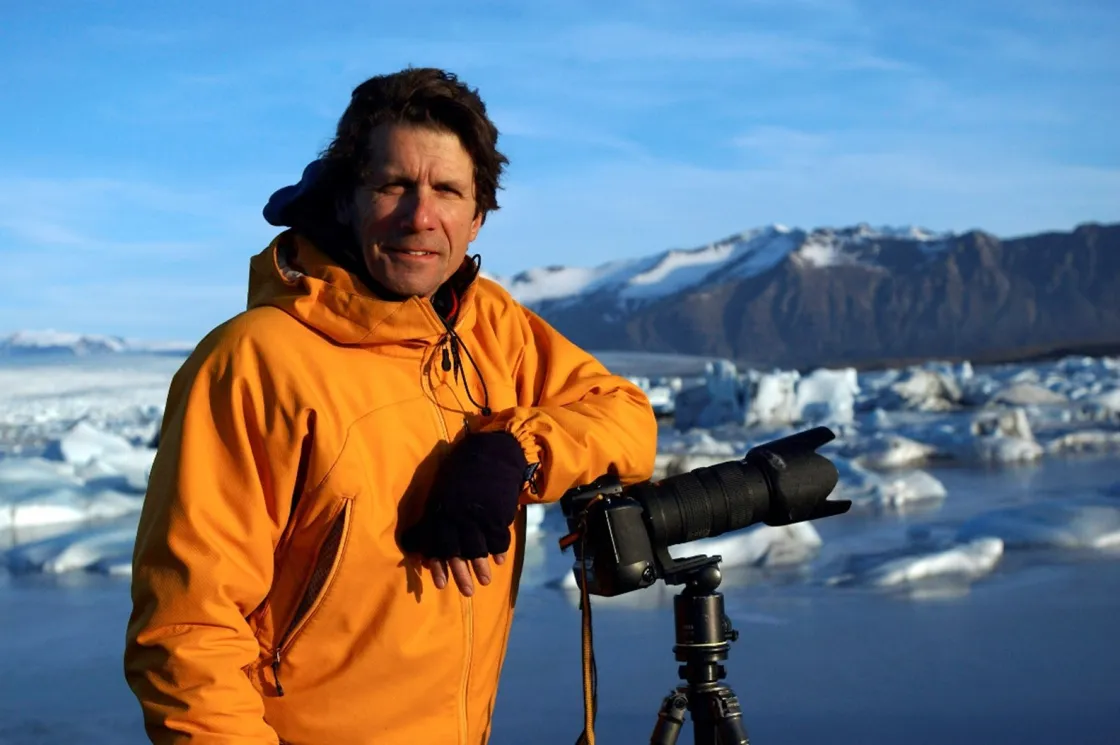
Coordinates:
(294, 275)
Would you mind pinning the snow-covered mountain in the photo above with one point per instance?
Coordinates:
(50, 342)
(853, 295)
(740, 256)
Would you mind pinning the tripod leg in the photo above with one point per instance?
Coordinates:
(670, 719)
(728, 717)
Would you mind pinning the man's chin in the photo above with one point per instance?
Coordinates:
(408, 278)
(409, 286)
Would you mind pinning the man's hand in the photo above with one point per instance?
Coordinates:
(471, 508)
(461, 571)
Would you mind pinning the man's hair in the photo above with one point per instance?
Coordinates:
(427, 97)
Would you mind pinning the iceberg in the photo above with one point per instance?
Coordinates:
(898, 490)
(1066, 524)
(106, 549)
(827, 397)
(890, 451)
(913, 564)
(53, 506)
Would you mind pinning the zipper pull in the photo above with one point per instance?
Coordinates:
(446, 360)
(276, 673)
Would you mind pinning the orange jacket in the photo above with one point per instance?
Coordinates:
(271, 601)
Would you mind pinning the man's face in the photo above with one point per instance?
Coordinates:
(415, 215)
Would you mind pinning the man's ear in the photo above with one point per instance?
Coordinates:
(476, 224)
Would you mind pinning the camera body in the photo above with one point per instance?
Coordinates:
(613, 554)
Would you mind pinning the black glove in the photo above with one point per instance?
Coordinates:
(473, 500)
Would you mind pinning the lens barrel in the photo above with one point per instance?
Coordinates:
(708, 501)
(778, 483)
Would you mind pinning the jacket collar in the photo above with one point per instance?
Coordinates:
(293, 274)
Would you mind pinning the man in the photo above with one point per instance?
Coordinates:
(343, 467)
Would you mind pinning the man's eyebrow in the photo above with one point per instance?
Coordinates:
(452, 181)
(389, 173)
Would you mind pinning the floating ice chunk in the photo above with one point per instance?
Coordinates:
(662, 398)
(927, 390)
(897, 490)
(1083, 441)
(83, 442)
(725, 397)
(1100, 406)
(719, 400)
(1109, 400)
(775, 399)
(127, 470)
(107, 549)
(892, 451)
(696, 441)
(1082, 523)
(912, 565)
(534, 518)
(999, 449)
(1003, 437)
(691, 450)
(763, 545)
(1013, 423)
(24, 477)
(64, 505)
(826, 396)
(1028, 394)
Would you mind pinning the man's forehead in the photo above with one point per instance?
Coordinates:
(399, 144)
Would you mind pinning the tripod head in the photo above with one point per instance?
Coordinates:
(703, 641)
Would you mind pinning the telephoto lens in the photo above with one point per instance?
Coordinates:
(778, 483)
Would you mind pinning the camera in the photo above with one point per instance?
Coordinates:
(621, 535)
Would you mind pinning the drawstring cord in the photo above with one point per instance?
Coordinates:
(454, 341)
(455, 362)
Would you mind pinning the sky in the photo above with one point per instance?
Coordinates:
(139, 141)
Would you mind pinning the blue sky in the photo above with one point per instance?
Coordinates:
(140, 140)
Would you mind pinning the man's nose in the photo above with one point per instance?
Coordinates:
(418, 211)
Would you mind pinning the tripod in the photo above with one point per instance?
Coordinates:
(703, 636)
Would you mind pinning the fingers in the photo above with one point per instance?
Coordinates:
(481, 570)
(461, 571)
(438, 568)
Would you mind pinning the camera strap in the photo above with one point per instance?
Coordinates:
(590, 673)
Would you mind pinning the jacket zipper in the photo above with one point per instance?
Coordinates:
(323, 574)
(466, 604)
(468, 632)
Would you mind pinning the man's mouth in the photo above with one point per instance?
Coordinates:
(409, 252)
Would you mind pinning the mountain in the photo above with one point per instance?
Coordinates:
(36, 343)
(858, 296)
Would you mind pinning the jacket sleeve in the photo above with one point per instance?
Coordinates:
(218, 497)
(574, 418)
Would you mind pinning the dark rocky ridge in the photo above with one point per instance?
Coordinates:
(977, 298)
